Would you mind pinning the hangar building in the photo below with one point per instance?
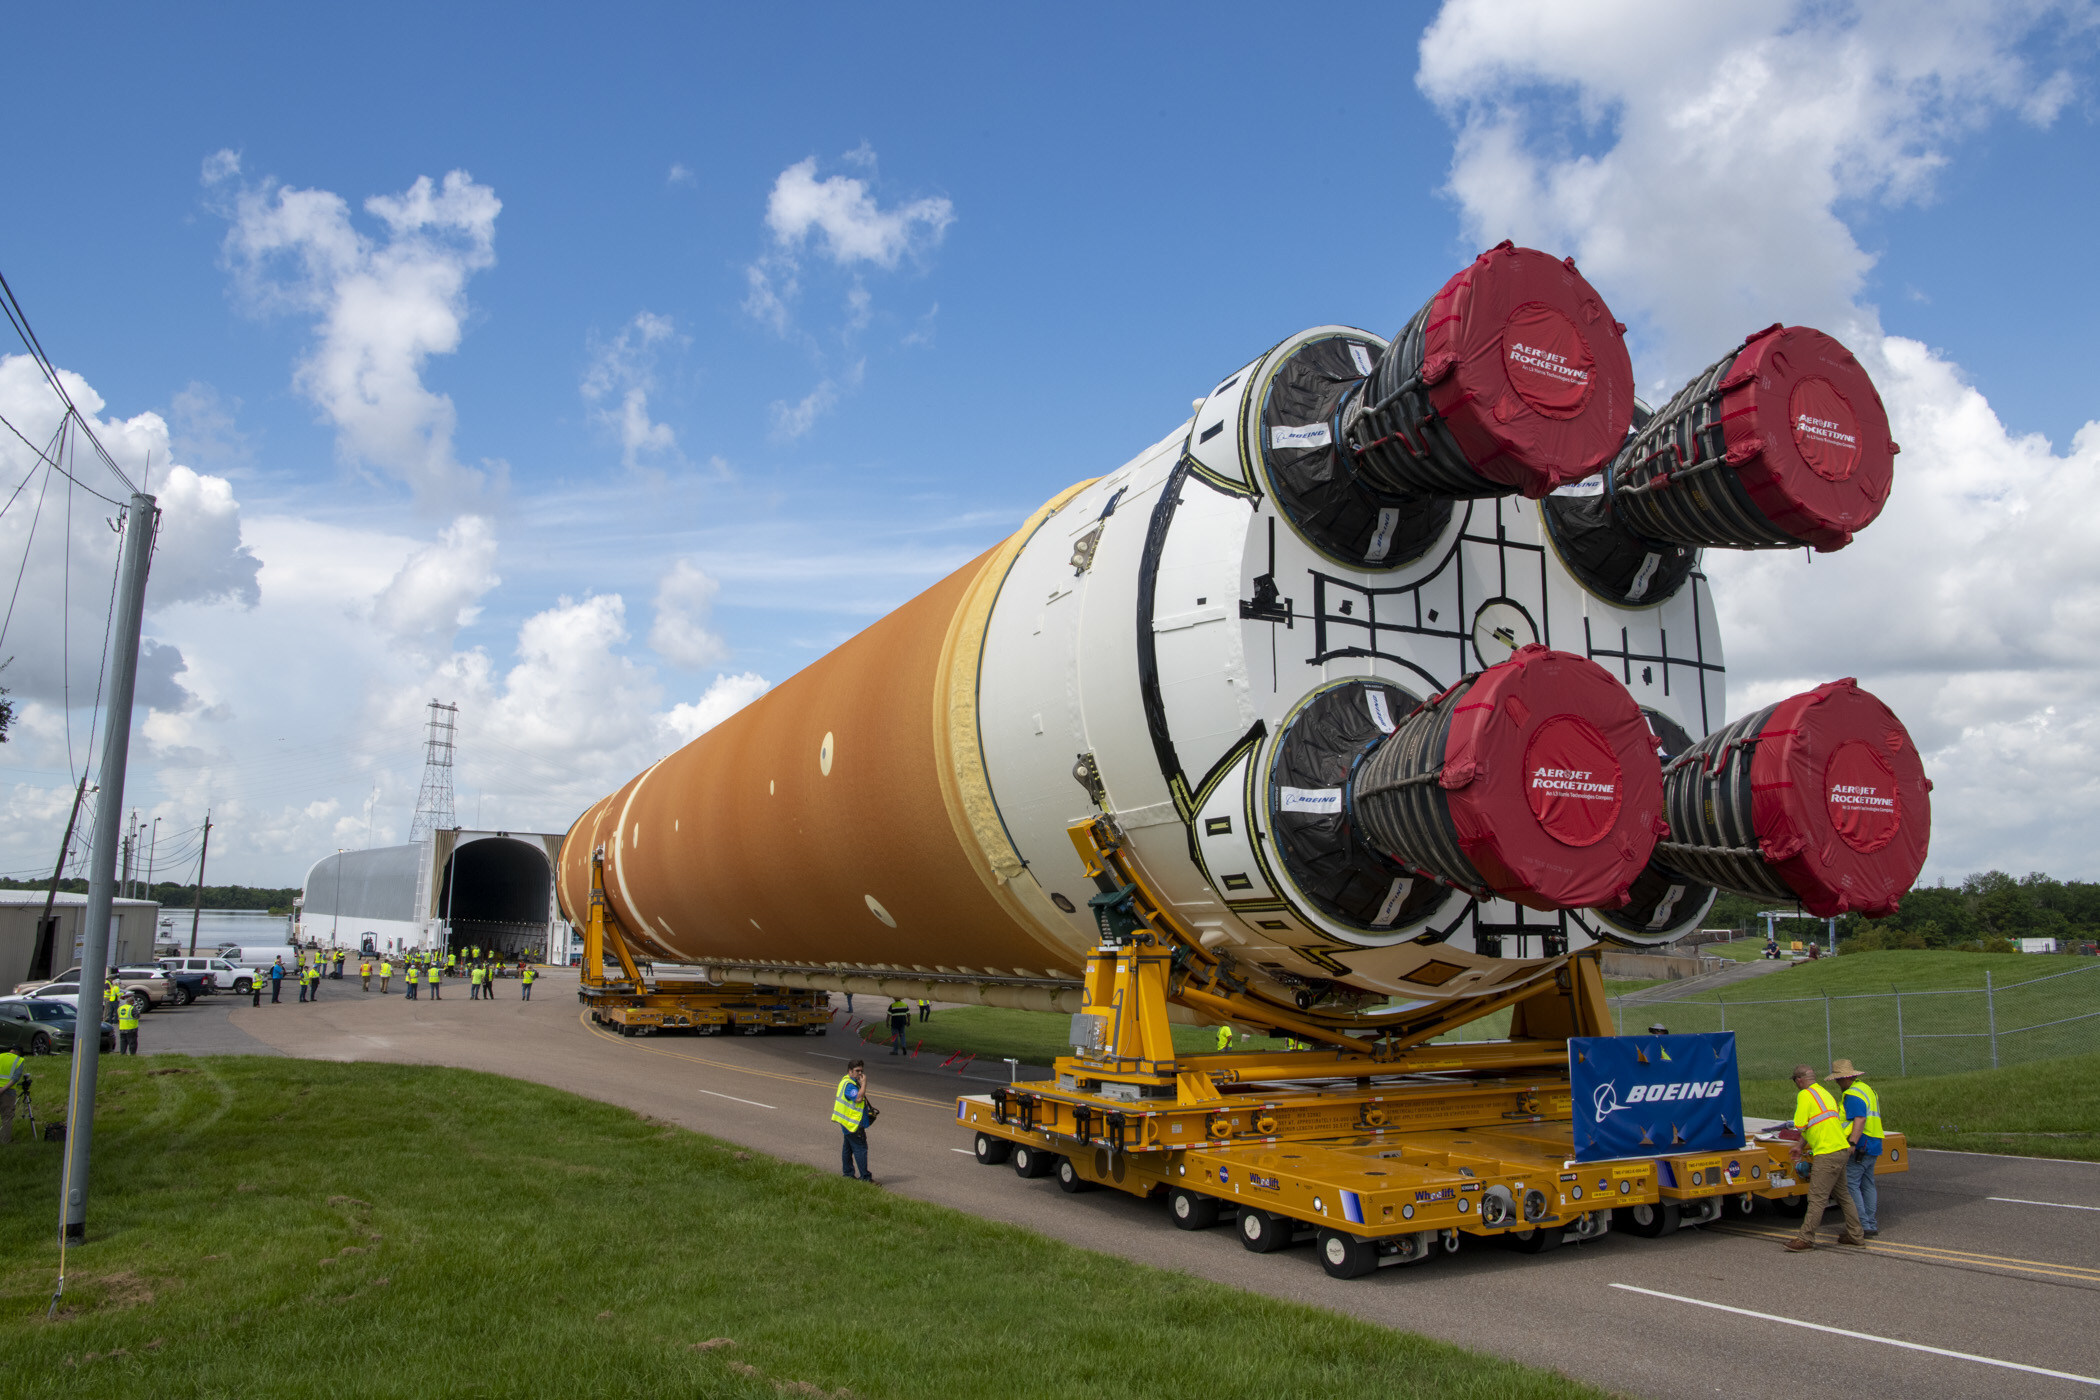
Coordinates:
(487, 889)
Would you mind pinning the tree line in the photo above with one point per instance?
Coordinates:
(170, 895)
(1986, 912)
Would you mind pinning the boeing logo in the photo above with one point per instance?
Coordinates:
(1606, 1100)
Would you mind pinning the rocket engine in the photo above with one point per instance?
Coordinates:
(1391, 665)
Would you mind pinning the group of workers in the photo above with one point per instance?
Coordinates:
(419, 971)
(1841, 1138)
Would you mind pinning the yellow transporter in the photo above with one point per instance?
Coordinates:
(1389, 1148)
(664, 1000)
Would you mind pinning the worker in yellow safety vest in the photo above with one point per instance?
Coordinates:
(1224, 1037)
(111, 994)
(851, 1110)
(414, 975)
(1863, 1127)
(1824, 1150)
(430, 979)
(364, 973)
(900, 1021)
(525, 976)
(386, 974)
(11, 1078)
(127, 1027)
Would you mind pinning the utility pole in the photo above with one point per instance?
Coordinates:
(152, 850)
(40, 955)
(198, 912)
(141, 522)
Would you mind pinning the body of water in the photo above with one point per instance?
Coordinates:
(217, 926)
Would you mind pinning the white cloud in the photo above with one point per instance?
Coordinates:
(1702, 196)
(438, 589)
(770, 286)
(724, 696)
(684, 601)
(59, 538)
(678, 175)
(849, 223)
(1705, 199)
(792, 420)
(619, 380)
(381, 309)
(842, 221)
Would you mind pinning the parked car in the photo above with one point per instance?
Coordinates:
(226, 975)
(183, 987)
(147, 987)
(43, 1026)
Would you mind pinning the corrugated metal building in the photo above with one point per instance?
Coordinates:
(25, 956)
(487, 889)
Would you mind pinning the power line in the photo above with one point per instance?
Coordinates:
(19, 319)
(28, 544)
(53, 461)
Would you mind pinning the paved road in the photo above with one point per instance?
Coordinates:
(1710, 982)
(2013, 1280)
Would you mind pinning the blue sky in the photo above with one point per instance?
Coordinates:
(1068, 222)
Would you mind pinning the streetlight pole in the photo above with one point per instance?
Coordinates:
(336, 918)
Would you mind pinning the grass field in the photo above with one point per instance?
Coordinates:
(2051, 1109)
(2044, 1008)
(292, 1228)
(1907, 969)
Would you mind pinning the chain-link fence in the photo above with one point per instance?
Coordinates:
(1896, 1032)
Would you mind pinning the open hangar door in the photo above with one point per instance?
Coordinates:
(497, 891)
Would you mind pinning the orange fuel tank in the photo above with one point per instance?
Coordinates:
(837, 822)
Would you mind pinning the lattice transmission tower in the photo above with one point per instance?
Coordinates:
(434, 803)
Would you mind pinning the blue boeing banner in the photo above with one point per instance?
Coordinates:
(1654, 1095)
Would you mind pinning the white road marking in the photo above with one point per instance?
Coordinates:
(1865, 1336)
(967, 1152)
(2016, 1201)
(734, 1099)
(2008, 1157)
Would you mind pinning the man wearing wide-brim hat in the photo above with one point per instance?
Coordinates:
(1863, 1127)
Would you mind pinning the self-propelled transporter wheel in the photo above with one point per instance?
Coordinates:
(1191, 1210)
(1032, 1161)
(991, 1151)
(1265, 1232)
(1069, 1180)
(1648, 1221)
(1344, 1255)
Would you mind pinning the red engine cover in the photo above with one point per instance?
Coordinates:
(1806, 431)
(1840, 801)
(1555, 790)
(1528, 369)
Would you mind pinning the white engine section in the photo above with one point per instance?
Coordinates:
(1157, 634)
